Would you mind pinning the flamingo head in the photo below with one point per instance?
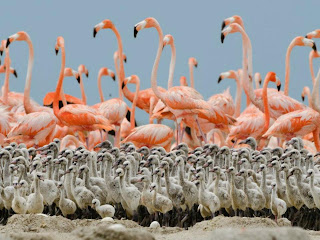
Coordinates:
(105, 24)
(313, 34)
(19, 36)
(302, 41)
(168, 40)
(304, 92)
(232, 28)
(229, 74)
(83, 69)
(132, 79)
(272, 77)
(233, 19)
(147, 23)
(59, 44)
(193, 61)
(183, 81)
(107, 72)
(257, 76)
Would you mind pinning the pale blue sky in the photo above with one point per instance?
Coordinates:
(195, 25)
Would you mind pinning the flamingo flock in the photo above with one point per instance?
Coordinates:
(262, 161)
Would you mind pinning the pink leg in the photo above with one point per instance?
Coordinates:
(202, 134)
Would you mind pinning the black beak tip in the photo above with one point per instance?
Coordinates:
(78, 79)
(15, 73)
(1, 52)
(114, 78)
(219, 79)
(222, 37)
(260, 82)
(223, 25)
(279, 87)
(57, 51)
(123, 85)
(196, 65)
(302, 98)
(8, 43)
(135, 32)
(94, 32)
(125, 60)
(87, 74)
(314, 47)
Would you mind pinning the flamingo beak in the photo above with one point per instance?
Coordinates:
(219, 79)
(15, 73)
(302, 98)
(279, 87)
(135, 32)
(94, 32)
(8, 43)
(222, 37)
(123, 85)
(1, 52)
(57, 51)
(223, 25)
(314, 47)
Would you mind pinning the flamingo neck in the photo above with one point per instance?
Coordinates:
(134, 103)
(287, 74)
(156, 64)
(83, 94)
(315, 94)
(60, 83)
(172, 65)
(238, 96)
(307, 92)
(100, 88)
(27, 105)
(191, 75)
(6, 81)
(265, 103)
(121, 75)
(247, 83)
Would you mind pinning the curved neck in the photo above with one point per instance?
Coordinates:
(100, 88)
(27, 105)
(287, 74)
(266, 105)
(156, 64)
(311, 67)
(6, 81)
(60, 82)
(247, 83)
(307, 92)
(172, 65)
(121, 75)
(134, 103)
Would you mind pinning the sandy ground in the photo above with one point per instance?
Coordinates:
(38, 227)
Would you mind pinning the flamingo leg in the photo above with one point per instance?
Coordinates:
(117, 136)
(202, 134)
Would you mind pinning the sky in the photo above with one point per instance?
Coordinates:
(195, 26)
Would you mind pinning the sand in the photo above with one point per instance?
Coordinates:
(38, 227)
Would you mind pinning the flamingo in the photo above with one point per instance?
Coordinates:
(279, 103)
(48, 98)
(192, 63)
(37, 126)
(234, 75)
(299, 123)
(115, 110)
(182, 101)
(149, 135)
(255, 124)
(77, 116)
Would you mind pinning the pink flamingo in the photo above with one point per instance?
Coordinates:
(37, 127)
(279, 103)
(234, 75)
(182, 101)
(77, 116)
(149, 135)
(254, 124)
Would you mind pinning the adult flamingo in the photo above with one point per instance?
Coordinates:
(234, 75)
(183, 102)
(115, 110)
(77, 116)
(37, 127)
(257, 123)
(299, 123)
(69, 99)
(149, 135)
(279, 103)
